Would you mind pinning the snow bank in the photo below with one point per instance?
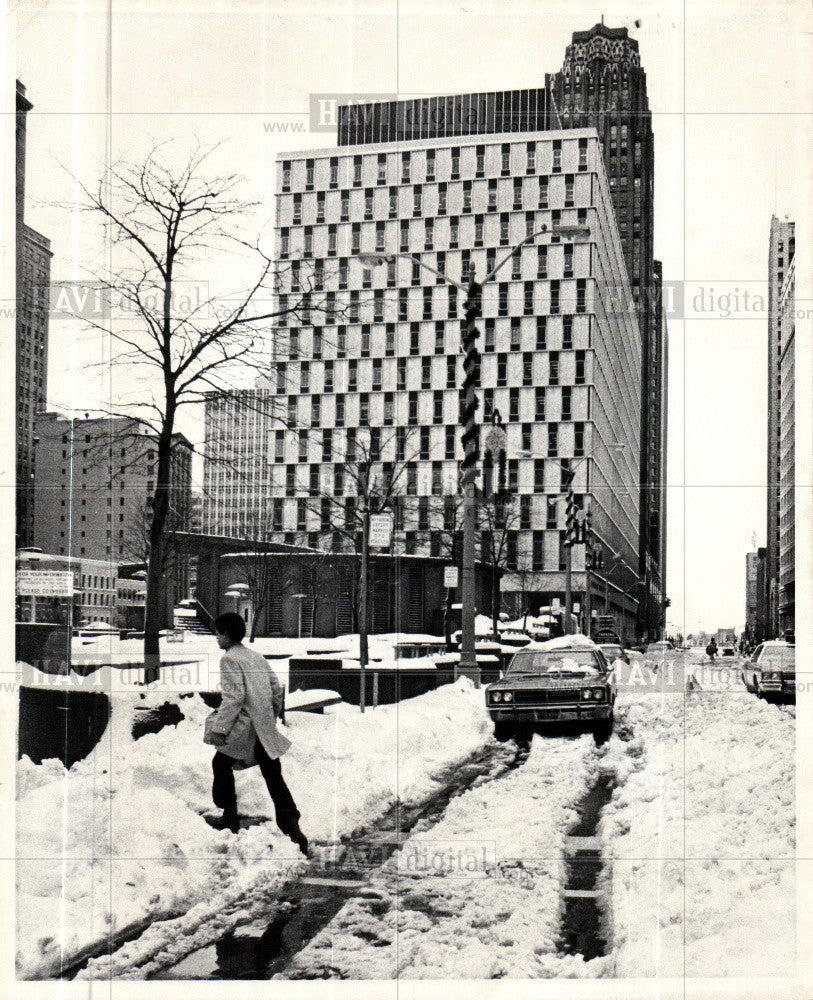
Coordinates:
(700, 834)
(120, 838)
(477, 896)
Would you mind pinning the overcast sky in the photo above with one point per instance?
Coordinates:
(729, 88)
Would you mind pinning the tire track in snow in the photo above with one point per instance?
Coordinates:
(164, 944)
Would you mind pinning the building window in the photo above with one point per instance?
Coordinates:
(567, 402)
(581, 295)
(578, 445)
(450, 439)
(364, 409)
(377, 374)
(513, 404)
(344, 211)
(297, 209)
(416, 200)
(389, 344)
(527, 368)
(541, 262)
(543, 192)
(526, 436)
(506, 160)
(437, 407)
(454, 232)
(404, 235)
(382, 168)
(412, 404)
(530, 158)
(489, 335)
(451, 371)
(553, 370)
(478, 230)
(356, 171)
(393, 202)
(557, 156)
(582, 154)
(442, 199)
(569, 190)
(466, 196)
(552, 513)
(334, 172)
(539, 412)
(554, 298)
(429, 237)
(567, 333)
(455, 163)
(480, 161)
(580, 368)
(529, 298)
(426, 373)
(504, 234)
(502, 299)
(401, 374)
(538, 550)
(553, 440)
(568, 266)
(515, 333)
(430, 164)
(502, 370)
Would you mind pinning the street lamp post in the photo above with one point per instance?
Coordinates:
(469, 404)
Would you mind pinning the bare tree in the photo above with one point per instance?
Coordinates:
(175, 230)
(376, 474)
(498, 518)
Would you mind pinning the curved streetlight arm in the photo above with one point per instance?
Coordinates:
(558, 231)
(373, 260)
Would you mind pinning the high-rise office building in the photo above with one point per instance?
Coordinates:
(602, 85)
(95, 485)
(752, 629)
(787, 467)
(243, 439)
(33, 284)
(561, 356)
(781, 249)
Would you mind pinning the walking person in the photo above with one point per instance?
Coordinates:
(711, 650)
(244, 729)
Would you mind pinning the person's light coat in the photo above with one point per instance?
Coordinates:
(252, 702)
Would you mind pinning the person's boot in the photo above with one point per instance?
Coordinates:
(298, 837)
(231, 820)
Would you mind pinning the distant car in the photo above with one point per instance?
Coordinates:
(728, 651)
(664, 646)
(613, 651)
(564, 679)
(771, 670)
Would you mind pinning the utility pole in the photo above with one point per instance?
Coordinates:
(365, 562)
(570, 540)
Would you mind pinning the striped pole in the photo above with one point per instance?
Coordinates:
(469, 404)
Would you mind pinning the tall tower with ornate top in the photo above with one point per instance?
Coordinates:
(602, 85)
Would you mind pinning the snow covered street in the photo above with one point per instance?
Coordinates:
(694, 847)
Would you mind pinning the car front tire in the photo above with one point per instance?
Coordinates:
(503, 731)
(604, 729)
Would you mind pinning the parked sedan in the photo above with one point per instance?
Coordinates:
(563, 679)
(771, 670)
(613, 651)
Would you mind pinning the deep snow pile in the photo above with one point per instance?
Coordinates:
(700, 831)
(119, 838)
(478, 895)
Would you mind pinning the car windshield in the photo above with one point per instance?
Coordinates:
(568, 661)
(778, 657)
(612, 652)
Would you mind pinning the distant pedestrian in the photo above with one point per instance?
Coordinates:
(711, 650)
(244, 729)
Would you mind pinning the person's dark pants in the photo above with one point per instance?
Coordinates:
(225, 796)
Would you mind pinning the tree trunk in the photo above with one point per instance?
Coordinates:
(154, 610)
(363, 645)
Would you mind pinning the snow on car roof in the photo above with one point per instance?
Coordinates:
(565, 642)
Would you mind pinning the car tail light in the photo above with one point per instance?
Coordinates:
(598, 693)
(507, 696)
(496, 696)
(587, 694)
